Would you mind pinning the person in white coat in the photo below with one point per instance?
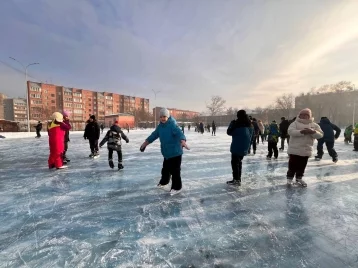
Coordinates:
(303, 131)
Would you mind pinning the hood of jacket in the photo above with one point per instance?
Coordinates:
(115, 128)
(325, 120)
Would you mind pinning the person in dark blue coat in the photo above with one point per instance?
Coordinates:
(172, 141)
(241, 131)
(328, 137)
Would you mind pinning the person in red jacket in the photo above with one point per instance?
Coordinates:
(56, 131)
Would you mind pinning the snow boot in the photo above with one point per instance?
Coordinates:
(234, 182)
(335, 159)
(318, 158)
(120, 166)
(301, 182)
(110, 162)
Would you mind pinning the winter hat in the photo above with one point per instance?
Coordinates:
(116, 122)
(66, 113)
(306, 111)
(241, 114)
(57, 116)
(93, 117)
(164, 112)
(273, 121)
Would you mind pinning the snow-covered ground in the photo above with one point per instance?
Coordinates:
(91, 216)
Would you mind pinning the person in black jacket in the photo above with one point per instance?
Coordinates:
(255, 134)
(213, 126)
(328, 137)
(38, 129)
(67, 137)
(113, 137)
(92, 133)
(284, 134)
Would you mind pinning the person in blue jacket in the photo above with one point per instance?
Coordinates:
(241, 131)
(172, 141)
(328, 137)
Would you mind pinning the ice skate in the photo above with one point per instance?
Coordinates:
(174, 192)
(110, 162)
(234, 182)
(301, 182)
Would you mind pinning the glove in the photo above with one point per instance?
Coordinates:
(127, 140)
(142, 149)
(85, 138)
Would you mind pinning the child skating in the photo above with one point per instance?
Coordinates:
(114, 143)
(172, 141)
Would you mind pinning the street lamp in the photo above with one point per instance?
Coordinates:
(27, 95)
(155, 112)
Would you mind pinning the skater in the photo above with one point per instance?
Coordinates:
(355, 144)
(113, 137)
(255, 134)
(213, 126)
(56, 132)
(283, 131)
(261, 131)
(92, 133)
(172, 141)
(241, 131)
(328, 137)
(272, 140)
(303, 132)
(127, 127)
(102, 127)
(348, 134)
(189, 127)
(182, 128)
(38, 129)
(201, 128)
(66, 120)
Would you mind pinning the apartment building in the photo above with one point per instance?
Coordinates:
(47, 98)
(15, 109)
(177, 113)
(2, 98)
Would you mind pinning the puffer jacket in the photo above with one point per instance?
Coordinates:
(170, 136)
(92, 131)
(241, 137)
(301, 144)
(328, 130)
(273, 133)
(113, 137)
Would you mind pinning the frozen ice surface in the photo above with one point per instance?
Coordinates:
(91, 216)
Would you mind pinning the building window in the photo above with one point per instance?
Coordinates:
(59, 93)
(37, 96)
(53, 101)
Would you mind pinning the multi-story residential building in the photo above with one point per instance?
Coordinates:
(45, 99)
(176, 113)
(15, 110)
(2, 98)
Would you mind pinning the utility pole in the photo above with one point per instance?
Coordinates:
(155, 114)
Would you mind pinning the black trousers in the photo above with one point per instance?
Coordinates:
(330, 148)
(283, 141)
(171, 166)
(38, 133)
(236, 165)
(110, 155)
(253, 143)
(272, 149)
(213, 132)
(296, 166)
(93, 145)
(355, 142)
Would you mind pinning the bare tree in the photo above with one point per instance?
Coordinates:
(217, 105)
(285, 103)
(230, 111)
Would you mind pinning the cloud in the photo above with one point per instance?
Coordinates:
(248, 52)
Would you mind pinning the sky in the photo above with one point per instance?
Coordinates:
(248, 52)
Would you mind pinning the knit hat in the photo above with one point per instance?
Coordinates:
(93, 117)
(241, 113)
(164, 112)
(116, 122)
(306, 111)
(66, 113)
(57, 116)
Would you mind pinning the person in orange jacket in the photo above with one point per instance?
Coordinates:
(56, 131)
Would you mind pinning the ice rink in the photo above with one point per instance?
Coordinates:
(91, 216)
